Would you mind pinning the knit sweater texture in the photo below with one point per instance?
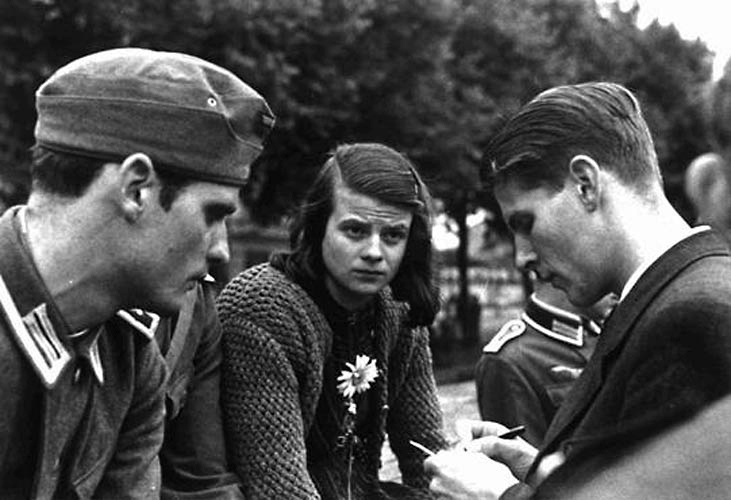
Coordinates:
(276, 343)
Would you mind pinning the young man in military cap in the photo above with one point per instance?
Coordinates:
(138, 161)
(529, 366)
(578, 182)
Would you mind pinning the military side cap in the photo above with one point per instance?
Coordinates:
(186, 114)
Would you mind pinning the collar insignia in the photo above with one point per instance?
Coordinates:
(144, 322)
(558, 323)
(41, 344)
(36, 337)
(569, 333)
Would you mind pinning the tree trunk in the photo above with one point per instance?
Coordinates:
(465, 306)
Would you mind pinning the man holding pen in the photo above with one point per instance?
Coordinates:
(584, 154)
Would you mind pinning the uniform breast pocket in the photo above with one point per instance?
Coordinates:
(557, 393)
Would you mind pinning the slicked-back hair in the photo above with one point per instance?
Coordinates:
(600, 119)
(379, 172)
(69, 175)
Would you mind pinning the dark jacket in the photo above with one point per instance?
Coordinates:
(687, 462)
(193, 456)
(664, 354)
(80, 417)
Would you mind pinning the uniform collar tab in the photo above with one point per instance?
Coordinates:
(557, 323)
(41, 344)
(143, 321)
(36, 337)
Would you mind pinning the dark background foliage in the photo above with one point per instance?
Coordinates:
(433, 78)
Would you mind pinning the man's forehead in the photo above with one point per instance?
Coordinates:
(223, 193)
(515, 198)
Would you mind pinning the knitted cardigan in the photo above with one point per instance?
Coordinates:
(275, 343)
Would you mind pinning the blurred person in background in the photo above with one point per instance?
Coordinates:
(707, 187)
(326, 348)
(529, 366)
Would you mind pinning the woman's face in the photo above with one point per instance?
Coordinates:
(364, 243)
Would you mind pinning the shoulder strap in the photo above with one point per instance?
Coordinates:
(510, 330)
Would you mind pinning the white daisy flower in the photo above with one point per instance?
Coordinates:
(358, 377)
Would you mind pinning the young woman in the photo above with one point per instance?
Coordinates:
(326, 347)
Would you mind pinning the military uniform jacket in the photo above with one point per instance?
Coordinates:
(193, 456)
(80, 417)
(664, 354)
(528, 367)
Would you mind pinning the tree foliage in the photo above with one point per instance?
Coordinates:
(433, 78)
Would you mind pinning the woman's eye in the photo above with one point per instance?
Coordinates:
(354, 231)
(394, 237)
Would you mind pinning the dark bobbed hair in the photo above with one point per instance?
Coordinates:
(69, 175)
(377, 171)
(600, 119)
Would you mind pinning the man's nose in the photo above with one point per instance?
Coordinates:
(218, 252)
(525, 257)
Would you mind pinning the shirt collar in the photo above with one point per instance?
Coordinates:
(645, 265)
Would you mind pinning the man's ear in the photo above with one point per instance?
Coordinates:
(138, 177)
(584, 176)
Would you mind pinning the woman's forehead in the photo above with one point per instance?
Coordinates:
(350, 203)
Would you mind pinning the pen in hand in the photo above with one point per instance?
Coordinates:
(509, 434)
(512, 433)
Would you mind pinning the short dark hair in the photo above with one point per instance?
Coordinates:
(600, 119)
(70, 175)
(380, 172)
